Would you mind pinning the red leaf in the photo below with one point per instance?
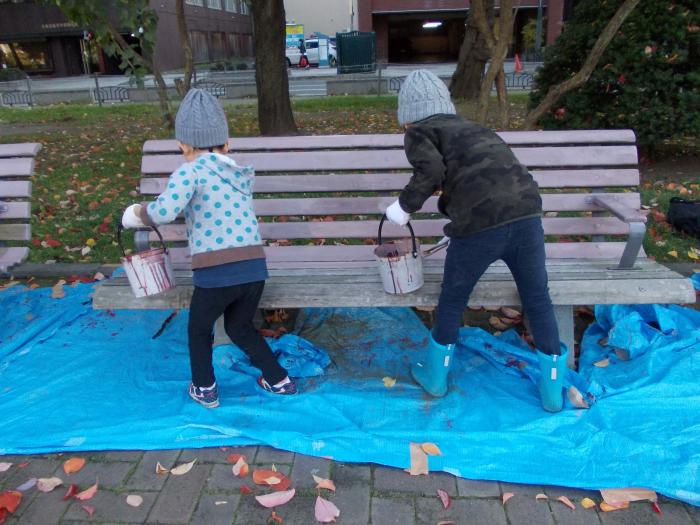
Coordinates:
(10, 500)
(245, 489)
(72, 491)
(656, 507)
(445, 498)
(87, 508)
(233, 458)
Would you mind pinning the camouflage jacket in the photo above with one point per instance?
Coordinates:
(482, 183)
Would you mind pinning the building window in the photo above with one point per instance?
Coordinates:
(218, 46)
(214, 4)
(234, 47)
(232, 6)
(243, 7)
(30, 56)
(199, 3)
(200, 48)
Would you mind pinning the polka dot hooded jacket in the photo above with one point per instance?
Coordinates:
(216, 197)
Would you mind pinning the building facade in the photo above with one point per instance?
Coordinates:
(433, 30)
(40, 40)
(336, 16)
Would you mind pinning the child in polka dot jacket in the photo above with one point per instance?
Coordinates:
(228, 262)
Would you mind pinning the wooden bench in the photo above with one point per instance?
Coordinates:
(319, 200)
(16, 169)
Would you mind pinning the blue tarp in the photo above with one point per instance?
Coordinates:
(75, 379)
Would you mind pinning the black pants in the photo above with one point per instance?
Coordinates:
(237, 304)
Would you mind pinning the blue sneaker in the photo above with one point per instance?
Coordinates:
(207, 397)
(286, 388)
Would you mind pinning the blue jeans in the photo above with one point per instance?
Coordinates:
(520, 245)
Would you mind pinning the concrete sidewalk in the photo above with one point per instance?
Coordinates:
(366, 494)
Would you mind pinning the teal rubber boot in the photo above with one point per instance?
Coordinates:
(552, 370)
(432, 373)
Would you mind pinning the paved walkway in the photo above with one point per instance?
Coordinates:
(366, 494)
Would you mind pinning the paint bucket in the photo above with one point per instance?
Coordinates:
(149, 272)
(400, 263)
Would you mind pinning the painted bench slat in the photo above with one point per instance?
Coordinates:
(546, 156)
(15, 188)
(16, 210)
(21, 167)
(14, 232)
(358, 182)
(24, 149)
(396, 140)
(11, 256)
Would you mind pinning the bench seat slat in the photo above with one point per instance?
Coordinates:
(21, 167)
(11, 256)
(16, 210)
(358, 182)
(623, 136)
(15, 188)
(15, 232)
(546, 156)
(24, 149)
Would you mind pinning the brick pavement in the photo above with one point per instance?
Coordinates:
(366, 494)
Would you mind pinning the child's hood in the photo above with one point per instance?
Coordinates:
(240, 178)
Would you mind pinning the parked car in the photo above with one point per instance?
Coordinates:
(311, 44)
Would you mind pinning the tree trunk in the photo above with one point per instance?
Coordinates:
(473, 56)
(274, 108)
(183, 85)
(582, 76)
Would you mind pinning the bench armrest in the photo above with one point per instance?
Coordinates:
(637, 223)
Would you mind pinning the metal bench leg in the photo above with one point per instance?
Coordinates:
(565, 321)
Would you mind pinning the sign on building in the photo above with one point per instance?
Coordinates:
(295, 32)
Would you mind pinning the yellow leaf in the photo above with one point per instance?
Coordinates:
(602, 363)
(182, 469)
(693, 255)
(90, 242)
(606, 507)
(389, 381)
(587, 503)
(431, 449)
(73, 465)
(673, 253)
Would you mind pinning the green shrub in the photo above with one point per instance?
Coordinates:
(12, 73)
(648, 79)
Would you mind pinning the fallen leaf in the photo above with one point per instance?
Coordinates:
(276, 518)
(183, 469)
(48, 484)
(541, 496)
(72, 491)
(693, 255)
(431, 449)
(655, 506)
(445, 523)
(389, 381)
(322, 483)
(57, 291)
(566, 501)
(275, 499)
(240, 469)
(5, 466)
(507, 496)
(325, 511)
(73, 465)
(673, 253)
(160, 469)
(271, 478)
(587, 503)
(134, 500)
(87, 508)
(87, 493)
(510, 313)
(419, 460)
(622, 354)
(602, 363)
(444, 498)
(245, 489)
(10, 500)
(496, 322)
(31, 482)
(99, 276)
(606, 507)
(576, 398)
(616, 496)
(233, 458)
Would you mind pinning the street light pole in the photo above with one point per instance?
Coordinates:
(538, 28)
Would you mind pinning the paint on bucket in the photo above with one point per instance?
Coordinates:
(149, 272)
(400, 263)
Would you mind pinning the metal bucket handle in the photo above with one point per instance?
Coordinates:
(410, 228)
(120, 228)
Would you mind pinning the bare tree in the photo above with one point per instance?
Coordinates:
(581, 77)
(183, 85)
(473, 56)
(275, 115)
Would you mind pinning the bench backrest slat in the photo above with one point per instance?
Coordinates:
(613, 136)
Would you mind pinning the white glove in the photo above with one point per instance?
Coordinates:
(396, 214)
(131, 218)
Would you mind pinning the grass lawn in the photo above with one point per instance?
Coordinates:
(89, 168)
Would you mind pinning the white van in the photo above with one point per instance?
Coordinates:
(311, 44)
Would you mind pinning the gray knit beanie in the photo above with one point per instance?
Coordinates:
(423, 95)
(200, 121)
